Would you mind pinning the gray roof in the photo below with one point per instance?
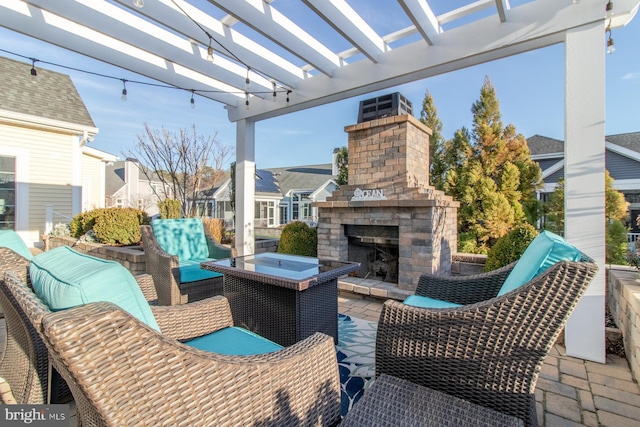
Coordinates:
(52, 95)
(302, 177)
(114, 177)
(629, 140)
(539, 144)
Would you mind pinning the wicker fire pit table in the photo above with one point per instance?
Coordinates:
(284, 298)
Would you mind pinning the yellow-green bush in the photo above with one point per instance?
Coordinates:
(113, 226)
(510, 247)
(170, 209)
(298, 238)
(215, 227)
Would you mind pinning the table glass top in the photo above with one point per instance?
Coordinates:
(288, 266)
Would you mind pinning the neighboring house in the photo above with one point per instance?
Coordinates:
(47, 173)
(301, 186)
(282, 195)
(127, 186)
(622, 159)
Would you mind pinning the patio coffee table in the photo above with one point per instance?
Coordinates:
(284, 298)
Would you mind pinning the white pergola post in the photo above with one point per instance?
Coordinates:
(245, 186)
(584, 170)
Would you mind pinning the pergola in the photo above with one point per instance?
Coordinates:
(266, 55)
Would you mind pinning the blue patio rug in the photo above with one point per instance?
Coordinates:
(356, 357)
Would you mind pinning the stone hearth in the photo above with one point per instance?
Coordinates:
(389, 189)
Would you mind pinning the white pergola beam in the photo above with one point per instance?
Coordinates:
(120, 24)
(529, 27)
(503, 6)
(423, 18)
(350, 25)
(272, 24)
(246, 49)
(59, 31)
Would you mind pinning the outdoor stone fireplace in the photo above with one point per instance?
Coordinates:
(388, 217)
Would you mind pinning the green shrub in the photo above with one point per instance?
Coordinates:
(510, 247)
(468, 244)
(616, 242)
(298, 238)
(112, 226)
(169, 209)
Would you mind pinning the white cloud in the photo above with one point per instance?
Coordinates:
(631, 76)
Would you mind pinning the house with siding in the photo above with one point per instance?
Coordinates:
(622, 160)
(282, 195)
(47, 172)
(128, 186)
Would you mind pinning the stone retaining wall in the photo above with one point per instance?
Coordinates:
(623, 299)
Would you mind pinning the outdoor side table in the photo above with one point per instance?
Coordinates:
(284, 298)
(395, 402)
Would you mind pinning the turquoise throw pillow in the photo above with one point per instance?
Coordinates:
(190, 271)
(10, 239)
(182, 237)
(234, 341)
(64, 278)
(543, 252)
(426, 302)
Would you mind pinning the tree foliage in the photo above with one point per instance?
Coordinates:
(615, 211)
(490, 171)
(185, 162)
(437, 165)
(342, 161)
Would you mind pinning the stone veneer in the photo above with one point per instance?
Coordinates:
(391, 157)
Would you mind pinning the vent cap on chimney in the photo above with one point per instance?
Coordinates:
(393, 104)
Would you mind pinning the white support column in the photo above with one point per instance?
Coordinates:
(584, 180)
(245, 187)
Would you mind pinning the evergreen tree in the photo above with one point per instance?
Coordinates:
(615, 211)
(490, 171)
(342, 161)
(437, 166)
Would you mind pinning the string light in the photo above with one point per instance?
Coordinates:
(247, 82)
(138, 3)
(123, 98)
(210, 52)
(34, 72)
(608, 9)
(34, 75)
(288, 92)
(274, 91)
(246, 101)
(193, 101)
(610, 47)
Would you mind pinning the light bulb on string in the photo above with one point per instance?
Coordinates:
(123, 97)
(193, 101)
(274, 91)
(246, 101)
(247, 82)
(288, 92)
(138, 3)
(210, 52)
(608, 9)
(34, 72)
(610, 46)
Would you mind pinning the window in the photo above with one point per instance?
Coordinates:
(141, 204)
(7, 193)
(265, 213)
(284, 214)
(301, 206)
(119, 202)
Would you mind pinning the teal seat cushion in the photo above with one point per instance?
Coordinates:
(64, 278)
(543, 252)
(234, 341)
(182, 237)
(190, 271)
(426, 302)
(10, 239)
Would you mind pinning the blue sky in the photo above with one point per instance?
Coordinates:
(529, 86)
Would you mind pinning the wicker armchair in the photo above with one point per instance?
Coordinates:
(165, 270)
(24, 363)
(122, 372)
(488, 352)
